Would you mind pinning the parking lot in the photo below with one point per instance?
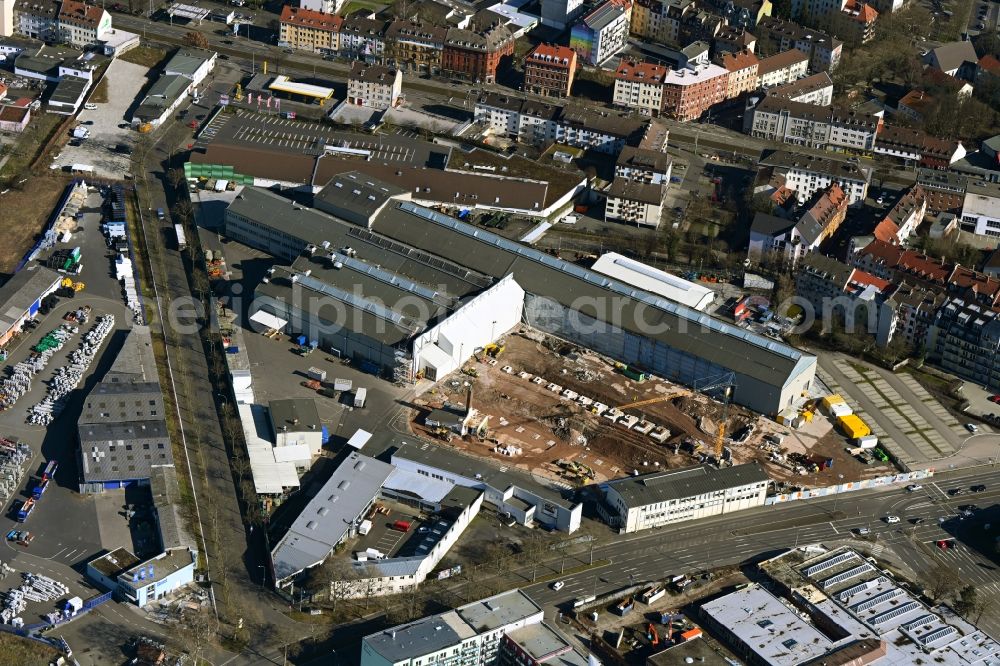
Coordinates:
(69, 528)
(108, 148)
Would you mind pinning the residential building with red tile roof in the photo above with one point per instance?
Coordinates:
(549, 70)
(742, 67)
(915, 105)
(309, 30)
(81, 24)
(918, 146)
(855, 22)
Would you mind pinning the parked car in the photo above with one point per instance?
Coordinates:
(892, 519)
(917, 521)
(979, 488)
(914, 487)
(862, 531)
(954, 492)
(994, 398)
(13, 535)
(972, 427)
(26, 539)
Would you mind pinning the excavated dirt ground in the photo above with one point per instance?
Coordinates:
(532, 428)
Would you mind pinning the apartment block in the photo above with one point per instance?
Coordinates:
(549, 70)
(309, 30)
(602, 33)
(374, 86)
(777, 35)
(742, 68)
(782, 68)
(475, 54)
(414, 47)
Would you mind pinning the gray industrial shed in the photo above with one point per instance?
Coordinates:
(625, 323)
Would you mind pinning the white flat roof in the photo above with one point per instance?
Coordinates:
(359, 439)
(268, 320)
(654, 280)
(270, 476)
(688, 77)
(768, 627)
(282, 83)
(188, 11)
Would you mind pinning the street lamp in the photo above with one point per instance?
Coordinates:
(840, 480)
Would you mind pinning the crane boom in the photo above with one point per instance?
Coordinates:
(650, 401)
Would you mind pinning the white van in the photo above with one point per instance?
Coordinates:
(90, 106)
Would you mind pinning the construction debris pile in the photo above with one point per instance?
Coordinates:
(19, 381)
(67, 377)
(35, 588)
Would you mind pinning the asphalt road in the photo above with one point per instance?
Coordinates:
(690, 547)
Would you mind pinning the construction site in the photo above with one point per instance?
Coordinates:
(650, 618)
(569, 415)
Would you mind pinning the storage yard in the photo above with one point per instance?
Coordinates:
(535, 410)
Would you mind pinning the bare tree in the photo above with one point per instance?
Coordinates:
(196, 39)
(944, 583)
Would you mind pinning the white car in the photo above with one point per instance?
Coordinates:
(972, 427)
(558, 585)
(892, 519)
(862, 531)
(914, 487)
(90, 106)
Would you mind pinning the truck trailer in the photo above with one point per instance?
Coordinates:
(25, 510)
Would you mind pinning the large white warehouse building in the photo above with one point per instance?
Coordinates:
(654, 280)
(407, 290)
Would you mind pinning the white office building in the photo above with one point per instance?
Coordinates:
(470, 634)
(981, 208)
(652, 500)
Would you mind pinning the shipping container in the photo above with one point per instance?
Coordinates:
(317, 374)
(853, 426)
(829, 401)
(867, 442)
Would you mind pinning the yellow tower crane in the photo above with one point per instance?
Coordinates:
(709, 385)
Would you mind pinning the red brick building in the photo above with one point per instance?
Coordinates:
(688, 93)
(549, 70)
(475, 54)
